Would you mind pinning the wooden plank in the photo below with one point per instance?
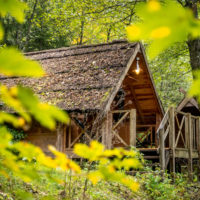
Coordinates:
(122, 141)
(172, 138)
(76, 139)
(60, 138)
(187, 131)
(164, 120)
(119, 111)
(190, 167)
(133, 127)
(139, 109)
(70, 134)
(162, 149)
(109, 131)
(166, 132)
(120, 120)
(64, 136)
(104, 131)
(198, 145)
(184, 153)
(145, 125)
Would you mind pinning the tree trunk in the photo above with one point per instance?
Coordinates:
(194, 49)
(29, 25)
(193, 45)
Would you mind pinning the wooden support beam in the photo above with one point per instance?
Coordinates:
(64, 136)
(162, 149)
(158, 121)
(198, 145)
(133, 127)
(107, 131)
(60, 137)
(172, 139)
(187, 131)
(121, 119)
(190, 167)
(139, 109)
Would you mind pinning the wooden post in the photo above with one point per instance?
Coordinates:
(158, 121)
(60, 137)
(104, 131)
(187, 131)
(162, 149)
(70, 134)
(198, 145)
(190, 168)
(107, 131)
(64, 137)
(133, 127)
(172, 139)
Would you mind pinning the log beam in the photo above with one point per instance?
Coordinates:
(133, 127)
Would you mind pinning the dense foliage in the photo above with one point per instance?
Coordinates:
(73, 187)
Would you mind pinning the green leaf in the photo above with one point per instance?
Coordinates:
(9, 97)
(13, 7)
(13, 63)
(1, 32)
(11, 119)
(160, 27)
(46, 114)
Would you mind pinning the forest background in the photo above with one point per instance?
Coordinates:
(52, 24)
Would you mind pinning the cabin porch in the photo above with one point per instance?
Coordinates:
(179, 138)
(119, 128)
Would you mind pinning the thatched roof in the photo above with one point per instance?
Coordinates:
(81, 77)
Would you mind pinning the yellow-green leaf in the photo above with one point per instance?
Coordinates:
(13, 63)
(13, 7)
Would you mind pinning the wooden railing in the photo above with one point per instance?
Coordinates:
(110, 133)
(178, 133)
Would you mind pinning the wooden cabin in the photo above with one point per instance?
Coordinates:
(179, 137)
(108, 91)
(189, 105)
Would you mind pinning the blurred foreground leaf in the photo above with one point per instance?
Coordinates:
(13, 63)
(1, 32)
(163, 24)
(25, 103)
(13, 7)
(23, 159)
(112, 163)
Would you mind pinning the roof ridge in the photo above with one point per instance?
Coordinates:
(83, 53)
(76, 47)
